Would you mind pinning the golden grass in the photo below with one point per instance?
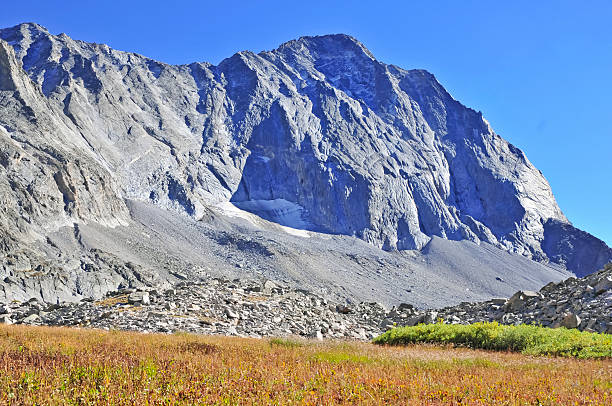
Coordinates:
(112, 301)
(257, 298)
(41, 365)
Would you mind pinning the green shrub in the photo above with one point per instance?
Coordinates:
(528, 339)
(286, 342)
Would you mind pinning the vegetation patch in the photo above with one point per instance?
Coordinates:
(64, 366)
(286, 342)
(527, 339)
(112, 301)
(256, 298)
(454, 363)
(198, 347)
(208, 320)
(336, 357)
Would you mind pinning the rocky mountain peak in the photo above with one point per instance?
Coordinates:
(316, 135)
(327, 46)
(29, 29)
(22, 35)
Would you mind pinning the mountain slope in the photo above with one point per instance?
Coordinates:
(316, 134)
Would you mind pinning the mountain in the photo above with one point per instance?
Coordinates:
(317, 137)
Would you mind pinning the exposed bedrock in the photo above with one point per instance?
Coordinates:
(316, 134)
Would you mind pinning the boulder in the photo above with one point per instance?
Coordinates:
(343, 309)
(603, 285)
(413, 321)
(570, 320)
(519, 299)
(31, 319)
(403, 307)
(432, 317)
(270, 287)
(316, 334)
(548, 287)
(139, 298)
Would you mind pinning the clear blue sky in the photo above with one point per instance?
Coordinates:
(540, 71)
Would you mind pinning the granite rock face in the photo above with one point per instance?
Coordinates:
(316, 134)
(575, 249)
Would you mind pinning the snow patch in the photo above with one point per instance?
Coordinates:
(288, 216)
(279, 211)
(262, 158)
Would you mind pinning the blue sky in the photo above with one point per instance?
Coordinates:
(540, 71)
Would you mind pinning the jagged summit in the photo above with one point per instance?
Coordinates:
(329, 45)
(316, 134)
(24, 32)
(30, 27)
(324, 44)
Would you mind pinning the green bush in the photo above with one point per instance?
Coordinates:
(285, 342)
(528, 339)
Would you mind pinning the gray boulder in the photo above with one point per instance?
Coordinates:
(139, 298)
(570, 320)
(603, 285)
(31, 319)
(520, 298)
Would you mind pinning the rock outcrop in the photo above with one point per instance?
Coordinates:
(316, 134)
(214, 306)
(582, 303)
(265, 308)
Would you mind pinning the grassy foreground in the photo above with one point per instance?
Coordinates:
(69, 366)
(528, 339)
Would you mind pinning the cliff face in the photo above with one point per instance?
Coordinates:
(316, 134)
(48, 175)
